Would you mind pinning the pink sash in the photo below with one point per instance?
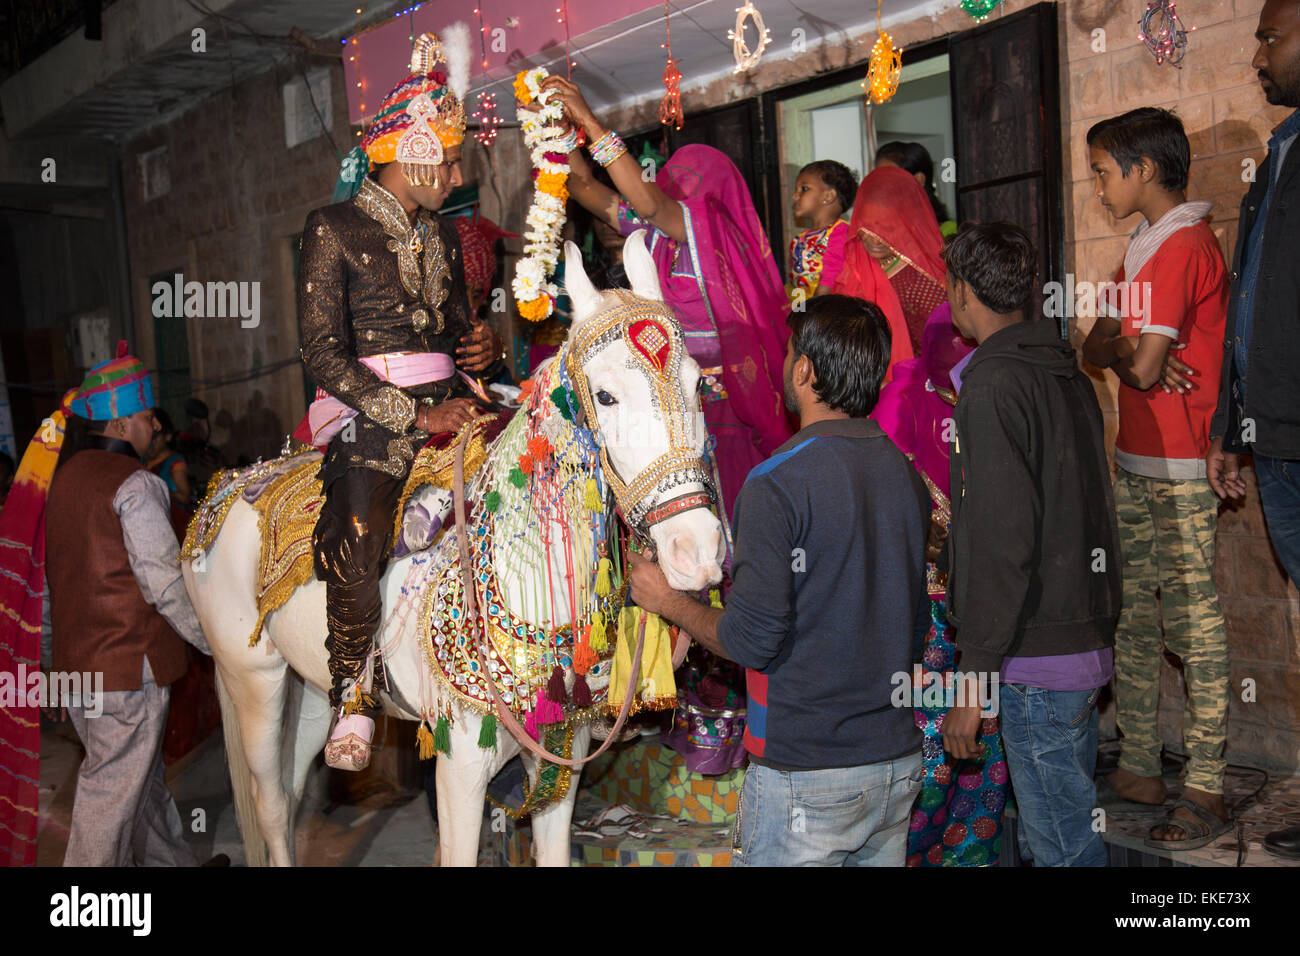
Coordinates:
(326, 416)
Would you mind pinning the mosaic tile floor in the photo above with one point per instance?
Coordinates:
(1262, 803)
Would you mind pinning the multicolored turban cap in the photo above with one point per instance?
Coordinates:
(114, 389)
(420, 118)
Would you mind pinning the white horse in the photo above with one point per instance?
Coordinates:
(274, 695)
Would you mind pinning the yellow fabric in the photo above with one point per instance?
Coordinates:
(287, 512)
(656, 689)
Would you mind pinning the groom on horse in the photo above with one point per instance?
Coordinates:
(384, 319)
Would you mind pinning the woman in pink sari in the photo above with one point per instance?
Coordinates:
(898, 261)
(717, 273)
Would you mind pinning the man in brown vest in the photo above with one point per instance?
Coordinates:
(117, 604)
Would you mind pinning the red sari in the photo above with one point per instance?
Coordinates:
(892, 208)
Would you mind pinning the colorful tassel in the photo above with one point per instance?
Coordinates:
(547, 711)
(715, 598)
(424, 740)
(442, 736)
(526, 464)
(492, 501)
(561, 399)
(487, 732)
(530, 726)
(599, 644)
(584, 658)
(603, 570)
(555, 689)
(539, 448)
(517, 477)
(581, 692)
(592, 498)
(526, 389)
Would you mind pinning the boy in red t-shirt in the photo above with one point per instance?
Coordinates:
(1171, 295)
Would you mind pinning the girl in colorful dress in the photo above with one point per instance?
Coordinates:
(822, 193)
(899, 241)
(957, 818)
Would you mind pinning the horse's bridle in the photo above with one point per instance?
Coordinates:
(654, 339)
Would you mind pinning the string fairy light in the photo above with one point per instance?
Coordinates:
(670, 108)
(885, 66)
(482, 35)
(1163, 32)
(489, 120)
(747, 59)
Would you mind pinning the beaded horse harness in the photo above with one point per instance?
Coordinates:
(654, 339)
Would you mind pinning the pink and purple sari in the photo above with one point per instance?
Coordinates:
(724, 286)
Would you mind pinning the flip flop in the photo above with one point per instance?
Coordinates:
(1210, 828)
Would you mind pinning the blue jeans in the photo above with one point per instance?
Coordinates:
(849, 816)
(1050, 737)
(1279, 491)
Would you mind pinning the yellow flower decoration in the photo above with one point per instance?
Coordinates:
(534, 310)
(522, 93)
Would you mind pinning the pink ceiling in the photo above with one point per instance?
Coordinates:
(380, 58)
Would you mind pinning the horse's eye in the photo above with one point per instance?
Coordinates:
(605, 398)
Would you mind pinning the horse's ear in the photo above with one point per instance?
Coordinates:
(586, 300)
(640, 267)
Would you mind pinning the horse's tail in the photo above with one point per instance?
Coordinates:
(241, 780)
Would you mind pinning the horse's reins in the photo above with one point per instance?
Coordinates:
(504, 714)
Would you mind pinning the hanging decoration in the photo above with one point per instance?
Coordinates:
(563, 11)
(1163, 33)
(885, 66)
(979, 9)
(549, 145)
(482, 37)
(489, 120)
(670, 109)
(747, 59)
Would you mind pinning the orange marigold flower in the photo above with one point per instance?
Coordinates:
(522, 93)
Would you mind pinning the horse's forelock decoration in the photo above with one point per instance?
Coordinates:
(654, 339)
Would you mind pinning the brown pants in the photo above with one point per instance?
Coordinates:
(350, 544)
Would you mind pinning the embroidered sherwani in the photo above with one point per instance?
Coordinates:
(371, 282)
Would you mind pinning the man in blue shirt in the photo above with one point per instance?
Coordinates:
(1259, 396)
(826, 611)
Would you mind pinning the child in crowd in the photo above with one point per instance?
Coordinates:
(823, 191)
(1175, 297)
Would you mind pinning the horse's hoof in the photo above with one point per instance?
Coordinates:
(349, 743)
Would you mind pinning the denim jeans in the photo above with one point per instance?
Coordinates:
(1050, 737)
(1279, 492)
(848, 816)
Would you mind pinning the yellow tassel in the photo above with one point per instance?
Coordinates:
(598, 642)
(424, 740)
(592, 497)
(715, 597)
(603, 569)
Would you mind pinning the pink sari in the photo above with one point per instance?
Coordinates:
(725, 288)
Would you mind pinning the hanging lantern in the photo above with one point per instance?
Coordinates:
(1163, 33)
(979, 9)
(745, 58)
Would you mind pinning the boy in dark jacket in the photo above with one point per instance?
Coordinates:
(1034, 584)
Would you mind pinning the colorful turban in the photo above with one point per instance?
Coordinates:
(477, 241)
(114, 389)
(420, 118)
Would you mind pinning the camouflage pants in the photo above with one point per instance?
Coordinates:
(1166, 531)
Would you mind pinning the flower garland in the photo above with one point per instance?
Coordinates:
(548, 146)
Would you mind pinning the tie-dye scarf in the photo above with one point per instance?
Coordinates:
(22, 586)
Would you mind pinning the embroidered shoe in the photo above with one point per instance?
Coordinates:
(349, 744)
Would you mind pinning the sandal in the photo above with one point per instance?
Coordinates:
(1204, 828)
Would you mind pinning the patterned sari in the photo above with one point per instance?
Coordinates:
(957, 819)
